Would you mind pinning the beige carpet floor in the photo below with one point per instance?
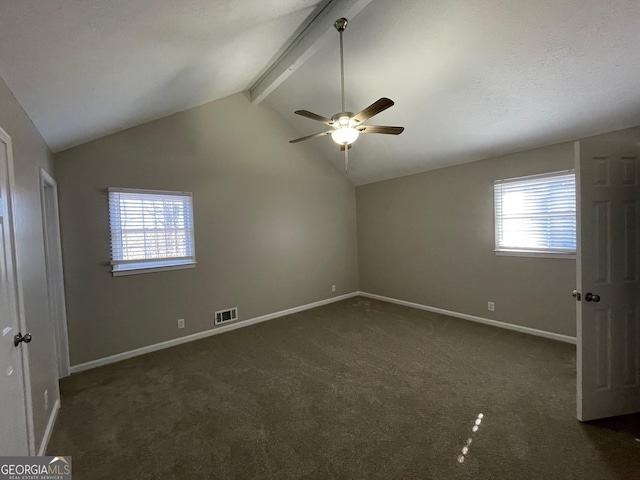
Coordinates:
(358, 389)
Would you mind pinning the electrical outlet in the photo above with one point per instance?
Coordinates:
(46, 399)
(333, 288)
(491, 306)
(181, 323)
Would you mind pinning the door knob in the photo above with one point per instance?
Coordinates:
(576, 295)
(592, 297)
(21, 338)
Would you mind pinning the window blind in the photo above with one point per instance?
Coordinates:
(536, 213)
(150, 228)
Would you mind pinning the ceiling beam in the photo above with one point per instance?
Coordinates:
(308, 42)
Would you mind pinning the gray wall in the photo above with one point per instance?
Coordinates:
(275, 226)
(429, 239)
(30, 153)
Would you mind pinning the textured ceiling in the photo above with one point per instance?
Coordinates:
(470, 79)
(82, 69)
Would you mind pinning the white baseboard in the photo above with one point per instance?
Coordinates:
(49, 429)
(473, 318)
(207, 333)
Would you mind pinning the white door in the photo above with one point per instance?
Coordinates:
(14, 439)
(608, 276)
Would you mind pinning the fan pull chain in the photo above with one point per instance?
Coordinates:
(346, 160)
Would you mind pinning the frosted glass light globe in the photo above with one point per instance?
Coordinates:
(345, 135)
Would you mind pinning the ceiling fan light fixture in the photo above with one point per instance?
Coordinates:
(346, 126)
(345, 135)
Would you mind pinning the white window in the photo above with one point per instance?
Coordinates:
(536, 215)
(150, 230)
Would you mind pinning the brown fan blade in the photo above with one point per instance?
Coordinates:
(380, 129)
(345, 147)
(373, 109)
(329, 132)
(314, 116)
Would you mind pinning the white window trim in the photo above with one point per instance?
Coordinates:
(532, 253)
(139, 271)
(535, 253)
(155, 265)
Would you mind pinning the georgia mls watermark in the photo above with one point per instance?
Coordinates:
(35, 468)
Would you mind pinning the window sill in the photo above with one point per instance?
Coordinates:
(535, 254)
(138, 271)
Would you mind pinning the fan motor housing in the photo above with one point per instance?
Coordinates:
(336, 118)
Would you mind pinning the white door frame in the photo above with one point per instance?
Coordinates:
(6, 139)
(53, 260)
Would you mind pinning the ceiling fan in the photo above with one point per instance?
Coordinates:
(345, 126)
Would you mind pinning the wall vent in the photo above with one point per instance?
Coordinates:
(225, 316)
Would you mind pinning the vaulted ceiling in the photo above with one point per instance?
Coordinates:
(470, 80)
(82, 69)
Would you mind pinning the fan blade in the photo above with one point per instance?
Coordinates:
(314, 116)
(329, 132)
(373, 109)
(345, 147)
(380, 129)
